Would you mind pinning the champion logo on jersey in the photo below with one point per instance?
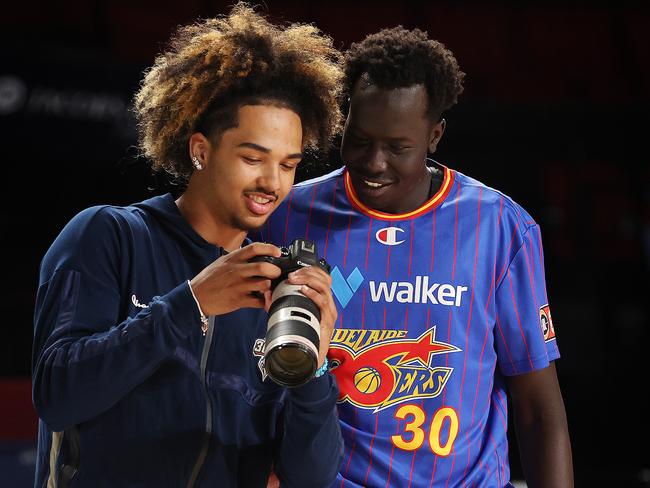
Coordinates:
(344, 288)
(388, 236)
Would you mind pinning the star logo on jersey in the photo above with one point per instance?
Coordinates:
(344, 288)
(376, 369)
(388, 236)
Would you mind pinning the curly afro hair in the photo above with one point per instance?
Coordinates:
(215, 66)
(397, 57)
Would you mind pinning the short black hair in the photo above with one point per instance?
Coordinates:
(398, 57)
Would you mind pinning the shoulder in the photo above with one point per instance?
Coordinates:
(324, 179)
(507, 211)
(332, 179)
(94, 233)
(309, 192)
(102, 221)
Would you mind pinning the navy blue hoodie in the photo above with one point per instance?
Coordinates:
(129, 390)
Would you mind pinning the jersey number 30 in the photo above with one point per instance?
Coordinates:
(435, 429)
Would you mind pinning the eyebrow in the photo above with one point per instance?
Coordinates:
(359, 133)
(266, 150)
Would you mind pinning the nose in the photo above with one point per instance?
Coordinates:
(269, 179)
(374, 160)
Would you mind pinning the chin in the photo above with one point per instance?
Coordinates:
(250, 224)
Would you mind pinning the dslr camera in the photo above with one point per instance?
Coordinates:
(293, 327)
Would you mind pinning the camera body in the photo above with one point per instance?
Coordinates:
(299, 254)
(293, 326)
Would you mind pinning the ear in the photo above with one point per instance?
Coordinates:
(200, 147)
(436, 134)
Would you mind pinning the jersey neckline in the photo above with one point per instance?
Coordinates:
(431, 203)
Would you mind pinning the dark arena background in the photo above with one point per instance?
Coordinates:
(555, 114)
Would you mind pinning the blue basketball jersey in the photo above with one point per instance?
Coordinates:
(435, 307)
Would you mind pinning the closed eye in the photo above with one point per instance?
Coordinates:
(251, 160)
(397, 148)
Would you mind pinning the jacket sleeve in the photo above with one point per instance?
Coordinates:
(85, 358)
(311, 448)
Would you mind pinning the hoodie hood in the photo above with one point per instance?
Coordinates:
(164, 210)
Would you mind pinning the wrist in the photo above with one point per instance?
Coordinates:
(202, 317)
(324, 368)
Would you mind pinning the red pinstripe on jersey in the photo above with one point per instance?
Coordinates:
(412, 232)
(530, 274)
(372, 442)
(521, 328)
(347, 240)
(388, 262)
(311, 206)
(507, 260)
(453, 268)
(453, 272)
(428, 325)
(286, 221)
(541, 261)
(469, 315)
(365, 261)
(433, 239)
(329, 219)
(505, 343)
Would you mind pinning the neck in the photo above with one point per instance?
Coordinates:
(198, 215)
(423, 192)
(436, 180)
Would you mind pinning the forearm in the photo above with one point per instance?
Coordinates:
(312, 446)
(545, 449)
(79, 373)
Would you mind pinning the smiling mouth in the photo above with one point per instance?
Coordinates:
(260, 203)
(261, 199)
(372, 184)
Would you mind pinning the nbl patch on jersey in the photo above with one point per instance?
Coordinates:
(258, 351)
(546, 323)
(379, 368)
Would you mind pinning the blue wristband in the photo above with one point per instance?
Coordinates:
(322, 370)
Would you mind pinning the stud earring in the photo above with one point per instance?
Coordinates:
(197, 164)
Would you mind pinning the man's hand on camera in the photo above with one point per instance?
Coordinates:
(232, 282)
(317, 285)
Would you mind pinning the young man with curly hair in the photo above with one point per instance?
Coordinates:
(150, 318)
(439, 282)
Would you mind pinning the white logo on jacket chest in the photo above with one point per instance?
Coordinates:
(137, 303)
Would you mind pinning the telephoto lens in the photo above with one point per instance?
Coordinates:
(293, 327)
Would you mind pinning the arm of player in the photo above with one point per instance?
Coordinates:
(311, 449)
(541, 427)
(86, 357)
(232, 282)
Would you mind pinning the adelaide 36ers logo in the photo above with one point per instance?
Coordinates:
(379, 368)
